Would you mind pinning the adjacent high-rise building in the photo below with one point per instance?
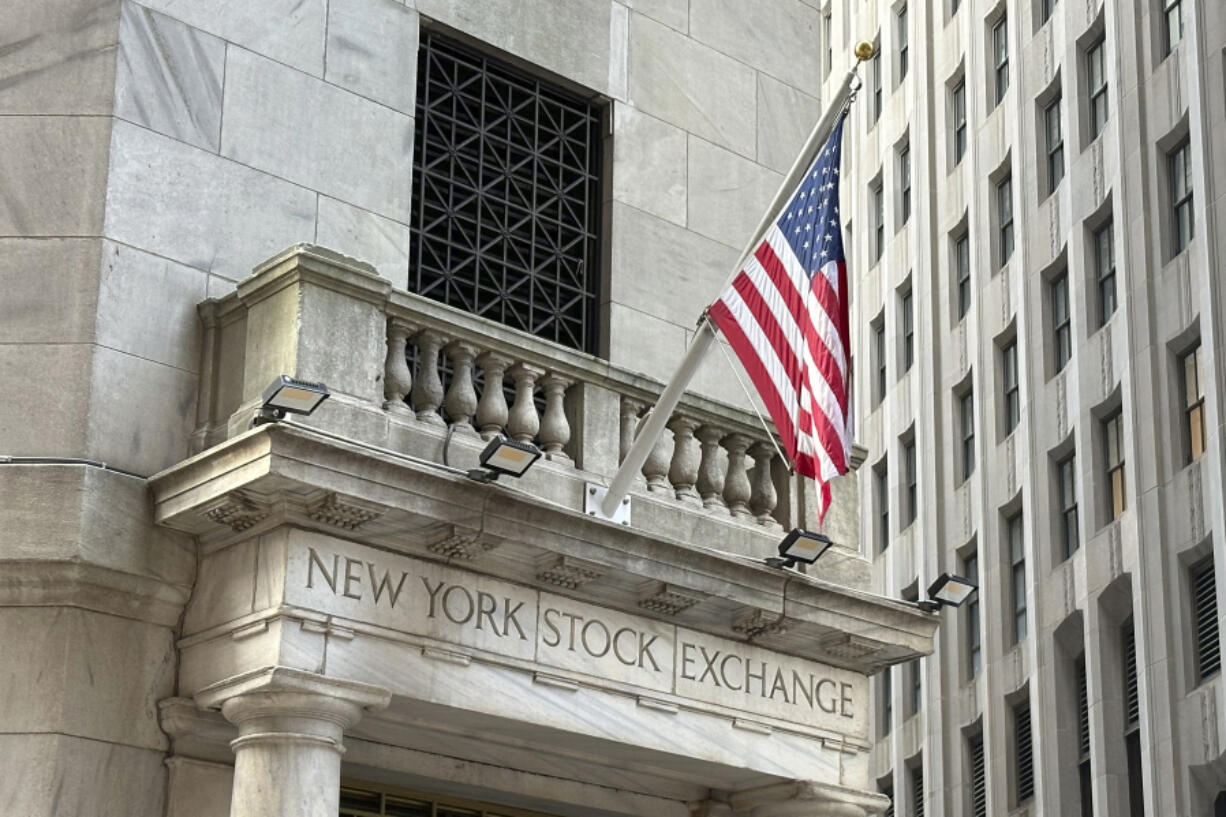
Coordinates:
(1032, 191)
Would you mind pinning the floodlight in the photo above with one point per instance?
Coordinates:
(286, 395)
(948, 591)
(505, 457)
(800, 545)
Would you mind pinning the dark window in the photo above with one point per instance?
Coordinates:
(1000, 58)
(1045, 10)
(904, 184)
(1009, 380)
(1113, 451)
(1173, 23)
(1017, 583)
(917, 789)
(970, 570)
(1023, 752)
(967, 418)
(958, 104)
(1084, 777)
(875, 113)
(1183, 225)
(1132, 721)
(1096, 76)
(979, 785)
(1061, 321)
(1004, 217)
(506, 195)
(911, 488)
(962, 262)
(880, 355)
(1104, 268)
(1055, 145)
(888, 791)
(902, 43)
(1193, 404)
(915, 702)
(908, 332)
(878, 194)
(881, 475)
(1204, 614)
(828, 39)
(1066, 487)
(887, 700)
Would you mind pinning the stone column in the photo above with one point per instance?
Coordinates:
(287, 756)
(397, 379)
(683, 470)
(808, 798)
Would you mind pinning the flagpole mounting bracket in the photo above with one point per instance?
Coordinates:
(593, 496)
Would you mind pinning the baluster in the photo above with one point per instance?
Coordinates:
(555, 428)
(523, 423)
(397, 379)
(711, 470)
(736, 486)
(492, 409)
(655, 467)
(683, 472)
(764, 498)
(630, 409)
(427, 393)
(461, 396)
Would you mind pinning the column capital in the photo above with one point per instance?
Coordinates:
(808, 798)
(285, 692)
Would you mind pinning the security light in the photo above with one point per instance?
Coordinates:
(800, 545)
(502, 456)
(948, 591)
(285, 395)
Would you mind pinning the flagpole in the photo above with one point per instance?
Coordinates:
(653, 427)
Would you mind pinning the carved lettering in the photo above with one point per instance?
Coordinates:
(383, 584)
(352, 577)
(330, 578)
(750, 675)
(779, 686)
(845, 700)
(826, 704)
(469, 606)
(723, 670)
(645, 650)
(487, 605)
(686, 660)
(432, 592)
(549, 622)
(710, 666)
(617, 649)
(508, 618)
(587, 645)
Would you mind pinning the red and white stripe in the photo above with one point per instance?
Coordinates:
(790, 333)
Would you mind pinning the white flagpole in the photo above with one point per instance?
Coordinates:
(663, 410)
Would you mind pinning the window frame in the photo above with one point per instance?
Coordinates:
(1015, 537)
(1192, 392)
(1023, 751)
(1066, 499)
(1054, 136)
(1181, 191)
(1104, 273)
(903, 42)
(880, 380)
(1000, 59)
(958, 113)
(1114, 461)
(1010, 387)
(1206, 646)
(1099, 102)
(966, 420)
(881, 479)
(1061, 321)
(906, 310)
(1173, 34)
(910, 468)
(904, 184)
(1004, 220)
(877, 191)
(974, 634)
(962, 267)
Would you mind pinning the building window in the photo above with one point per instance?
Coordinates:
(902, 43)
(878, 196)
(1017, 584)
(1009, 381)
(1183, 225)
(966, 416)
(917, 789)
(887, 700)
(1004, 217)
(906, 308)
(828, 39)
(1104, 267)
(1132, 720)
(979, 784)
(1193, 404)
(1023, 752)
(1173, 23)
(1113, 448)
(1066, 488)
(1061, 321)
(487, 236)
(970, 570)
(1096, 74)
(1055, 145)
(879, 355)
(962, 262)
(373, 800)
(875, 112)
(881, 476)
(915, 672)
(957, 104)
(911, 495)
(1000, 58)
(1045, 9)
(904, 184)
(884, 787)
(1083, 740)
(1204, 618)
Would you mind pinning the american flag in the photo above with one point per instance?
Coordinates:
(785, 316)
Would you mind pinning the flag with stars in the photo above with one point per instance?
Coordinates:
(785, 316)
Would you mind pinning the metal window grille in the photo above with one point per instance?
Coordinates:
(1113, 436)
(1004, 212)
(1132, 699)
(1183, 223)
(912, 475)
(1104, 263)
(1070, 535)
(958, 103)
(1017, 561)
(1023, 752)
(1000, 54)
(962, 255)
(967, 416)
(1204, 613)
(1009, 378)
(888, 791)
(1084, 777)
(979, 783)
(917, 790)
(902, 43)
(970, 569)
(369, 801)
(1193, 404)
(882, 475)
(1097, 83)
(904, 172)
(506, 194)
(1061, 321)
(1055, 145)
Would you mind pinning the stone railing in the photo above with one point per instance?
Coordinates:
(403, 368)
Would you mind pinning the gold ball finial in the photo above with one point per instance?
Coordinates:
(864, 50)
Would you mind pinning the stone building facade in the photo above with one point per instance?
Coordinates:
(203, 615)
(1040, 313)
